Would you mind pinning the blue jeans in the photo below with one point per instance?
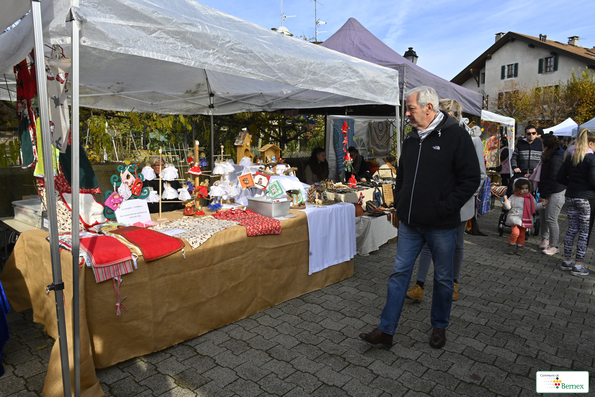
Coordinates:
(411, 240)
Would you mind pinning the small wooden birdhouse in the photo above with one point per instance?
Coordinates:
(243, 146)
(270, 153)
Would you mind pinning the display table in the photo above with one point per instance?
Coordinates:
(352, 197)
(372, 232)
(229, 277)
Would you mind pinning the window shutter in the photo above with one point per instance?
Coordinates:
(516, 70)
(503, 74)
(540, 70)
(555, 63)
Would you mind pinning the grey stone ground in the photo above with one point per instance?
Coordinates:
(516, 316)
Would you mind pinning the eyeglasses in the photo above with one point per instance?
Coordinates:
(530, 133)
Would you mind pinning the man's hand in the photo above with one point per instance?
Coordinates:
(517, 170)
(505, 198)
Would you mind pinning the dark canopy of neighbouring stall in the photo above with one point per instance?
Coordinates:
(355, 40)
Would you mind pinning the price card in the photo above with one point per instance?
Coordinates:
(132, 211)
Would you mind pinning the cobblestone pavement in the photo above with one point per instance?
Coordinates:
(516, 315)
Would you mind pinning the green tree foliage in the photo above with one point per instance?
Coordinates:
(580, 93)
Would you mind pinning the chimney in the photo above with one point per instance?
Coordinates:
(499, 35)
(573, 40)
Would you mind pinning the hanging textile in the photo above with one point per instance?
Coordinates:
(88, 182)
(379, 132)
(39, 171)
(491, 143)
(26, 91)
(338, 141)
(57, 69)
(483, 198)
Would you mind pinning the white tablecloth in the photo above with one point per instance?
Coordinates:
(371, 233)
(331, 231)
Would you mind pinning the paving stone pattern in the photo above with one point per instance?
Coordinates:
(516, 315)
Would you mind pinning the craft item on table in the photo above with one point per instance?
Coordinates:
(109, 259)
(352, 181)
(217, 190)
(127, 175)
(274, 189)
(189, 209)
(297, 200)
(202, 191)
(312, 194)
(127, 178)
(202, 160)
(137, 185)
(149, 173)
(255, 224)
(197, 230)
(145, 224)
(261, 180)
(65, 241)
(114, 201)
(245, 162)
(154, 245)
(90, 211)
(169, 173)
(183, 194)
(190, 186)
(219, 169)
(246, 181)
(169, 193)
(124, 191)
(153, 197)
(195, 170)
(379, 134)
(360, 200)
(199, 213)
(231, 190)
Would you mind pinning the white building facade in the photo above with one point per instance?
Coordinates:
(517, 60)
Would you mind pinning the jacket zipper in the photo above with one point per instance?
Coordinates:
(414, 179)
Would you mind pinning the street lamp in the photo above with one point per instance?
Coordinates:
(411, 55)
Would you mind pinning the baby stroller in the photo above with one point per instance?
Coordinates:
(502, 219)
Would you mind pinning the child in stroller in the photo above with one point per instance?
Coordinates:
(521, 216)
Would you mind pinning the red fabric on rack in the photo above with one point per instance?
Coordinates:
(154, 245)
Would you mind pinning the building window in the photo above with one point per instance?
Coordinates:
(483, 78)
(548, 64)
(509, 71)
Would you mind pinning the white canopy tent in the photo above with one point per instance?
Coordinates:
(174, 56)
(496, 118)
(565, 128)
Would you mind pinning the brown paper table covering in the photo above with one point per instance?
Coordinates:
(171, 300)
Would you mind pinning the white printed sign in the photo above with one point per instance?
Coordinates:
(132, 211)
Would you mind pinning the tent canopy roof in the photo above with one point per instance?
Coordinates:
(355, 40)
(565, 128)
(179, 56)
(496, 118)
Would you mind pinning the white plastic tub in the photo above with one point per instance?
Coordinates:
(28, 211)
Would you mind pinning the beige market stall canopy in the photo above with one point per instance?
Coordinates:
(181, 57)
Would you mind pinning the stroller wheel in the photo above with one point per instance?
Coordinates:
(501, 221)
(536, 227)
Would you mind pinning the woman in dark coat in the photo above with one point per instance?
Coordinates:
(317, 169)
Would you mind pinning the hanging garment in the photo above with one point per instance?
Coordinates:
(154, 245)
(57, 71)
(340, 151)
(27, 138)
(88, 182)
(380, 137)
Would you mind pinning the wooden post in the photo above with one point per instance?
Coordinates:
(160, 219)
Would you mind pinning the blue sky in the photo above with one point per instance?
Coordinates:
(447, 35)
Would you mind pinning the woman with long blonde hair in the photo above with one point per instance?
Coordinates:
(578, 174)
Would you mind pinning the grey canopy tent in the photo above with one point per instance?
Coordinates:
(355, 40)
(175, 56)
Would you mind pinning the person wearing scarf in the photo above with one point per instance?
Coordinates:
(521, 207)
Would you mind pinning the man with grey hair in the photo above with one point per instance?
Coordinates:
(438, 172)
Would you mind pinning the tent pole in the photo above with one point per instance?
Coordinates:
(213, 144)
(75, 182)
(57, 285)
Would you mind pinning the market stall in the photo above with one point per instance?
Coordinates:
(568, 127)
(229, 277)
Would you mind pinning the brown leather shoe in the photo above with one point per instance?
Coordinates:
(438, 338)
(376, 336)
